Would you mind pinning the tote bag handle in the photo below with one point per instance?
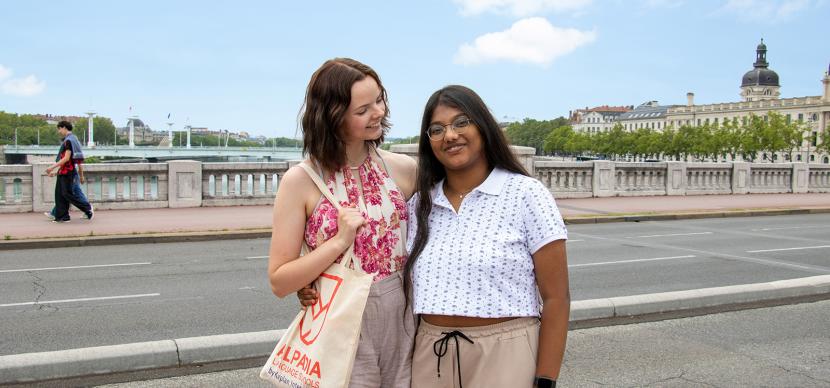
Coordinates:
(350, 256)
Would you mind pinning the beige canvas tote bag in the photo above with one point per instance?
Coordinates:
(318, 348)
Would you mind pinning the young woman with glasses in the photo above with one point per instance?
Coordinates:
(344, 119)
(484, 238)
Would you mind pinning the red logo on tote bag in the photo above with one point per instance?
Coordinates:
(312, 322)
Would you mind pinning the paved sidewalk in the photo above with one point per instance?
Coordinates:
(244, 221)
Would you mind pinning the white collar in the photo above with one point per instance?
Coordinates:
(492, 185)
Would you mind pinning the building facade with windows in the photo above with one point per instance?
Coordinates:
(760, 93)
(598, 119)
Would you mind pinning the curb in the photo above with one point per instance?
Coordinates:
(179, 353)
(149, 238)
(101, 360)
(691, 215)
(157, 238)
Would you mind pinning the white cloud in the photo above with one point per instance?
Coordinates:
(663, 3)
(24, 87)
(769, 11)
(5, 72)
(531, 40)
(519, 8)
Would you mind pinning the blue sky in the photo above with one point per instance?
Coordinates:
(244, 67)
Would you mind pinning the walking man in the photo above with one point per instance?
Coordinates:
(65, 168)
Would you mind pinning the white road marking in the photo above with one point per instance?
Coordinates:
(78, 300)
(790, 227)
(788, 249)
(256, 257)
(671, 235)
(75, 267)
(631, 261)
(575, 240)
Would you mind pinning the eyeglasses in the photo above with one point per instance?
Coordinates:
(459, 125)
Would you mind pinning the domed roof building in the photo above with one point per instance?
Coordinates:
(760, 83)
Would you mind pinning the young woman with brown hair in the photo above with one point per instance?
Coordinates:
(344, 120)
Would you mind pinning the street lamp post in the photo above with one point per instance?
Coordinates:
(132, 130)
(90, 142)
(170, 133)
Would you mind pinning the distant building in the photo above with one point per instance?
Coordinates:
(649, 115)
(142, 133)
(597, 119)
(760, 93)
(760, 90)
(54, 119)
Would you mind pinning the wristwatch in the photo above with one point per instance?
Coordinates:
(544, 382)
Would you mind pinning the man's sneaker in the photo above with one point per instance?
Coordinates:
(49, 216)
(60, 221)
(90, 214)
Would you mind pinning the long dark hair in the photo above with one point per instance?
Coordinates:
(327, 98)
(431, 171)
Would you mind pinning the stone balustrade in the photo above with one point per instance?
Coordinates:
(108, 186)
(566, 179)
(25, 188)
(818, 178)
(230, 184)
(15, 188)
(708, 178)
(640, 179)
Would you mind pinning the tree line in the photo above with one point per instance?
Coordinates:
(32, 130)
(752, 138)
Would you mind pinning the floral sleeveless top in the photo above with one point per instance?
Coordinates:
(381, 243)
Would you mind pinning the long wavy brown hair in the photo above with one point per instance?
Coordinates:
(327, 98)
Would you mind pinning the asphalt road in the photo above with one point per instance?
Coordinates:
(785, 346)
(55, 299)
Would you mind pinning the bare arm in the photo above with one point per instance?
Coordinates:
(81, 172)
(551, 262)
(287, 272)
(403, 172)
(59, 163)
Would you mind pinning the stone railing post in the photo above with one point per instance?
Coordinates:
(741, 176)
(410, 150)
(184, 180)
(801, 173)
(603, 178)
(675, 178)
(43, 188)
(525, 156)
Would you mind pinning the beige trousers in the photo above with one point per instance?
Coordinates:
(500, 355)
(384, 353)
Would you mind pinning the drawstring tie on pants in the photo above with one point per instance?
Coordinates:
(440, 349)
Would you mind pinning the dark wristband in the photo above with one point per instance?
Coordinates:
(544, 382)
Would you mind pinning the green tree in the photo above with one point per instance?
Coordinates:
(753, 137)
(823, 141)
(728, 138)
(579, 143)
(532, 133)
(103, 130)
(557, 138)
